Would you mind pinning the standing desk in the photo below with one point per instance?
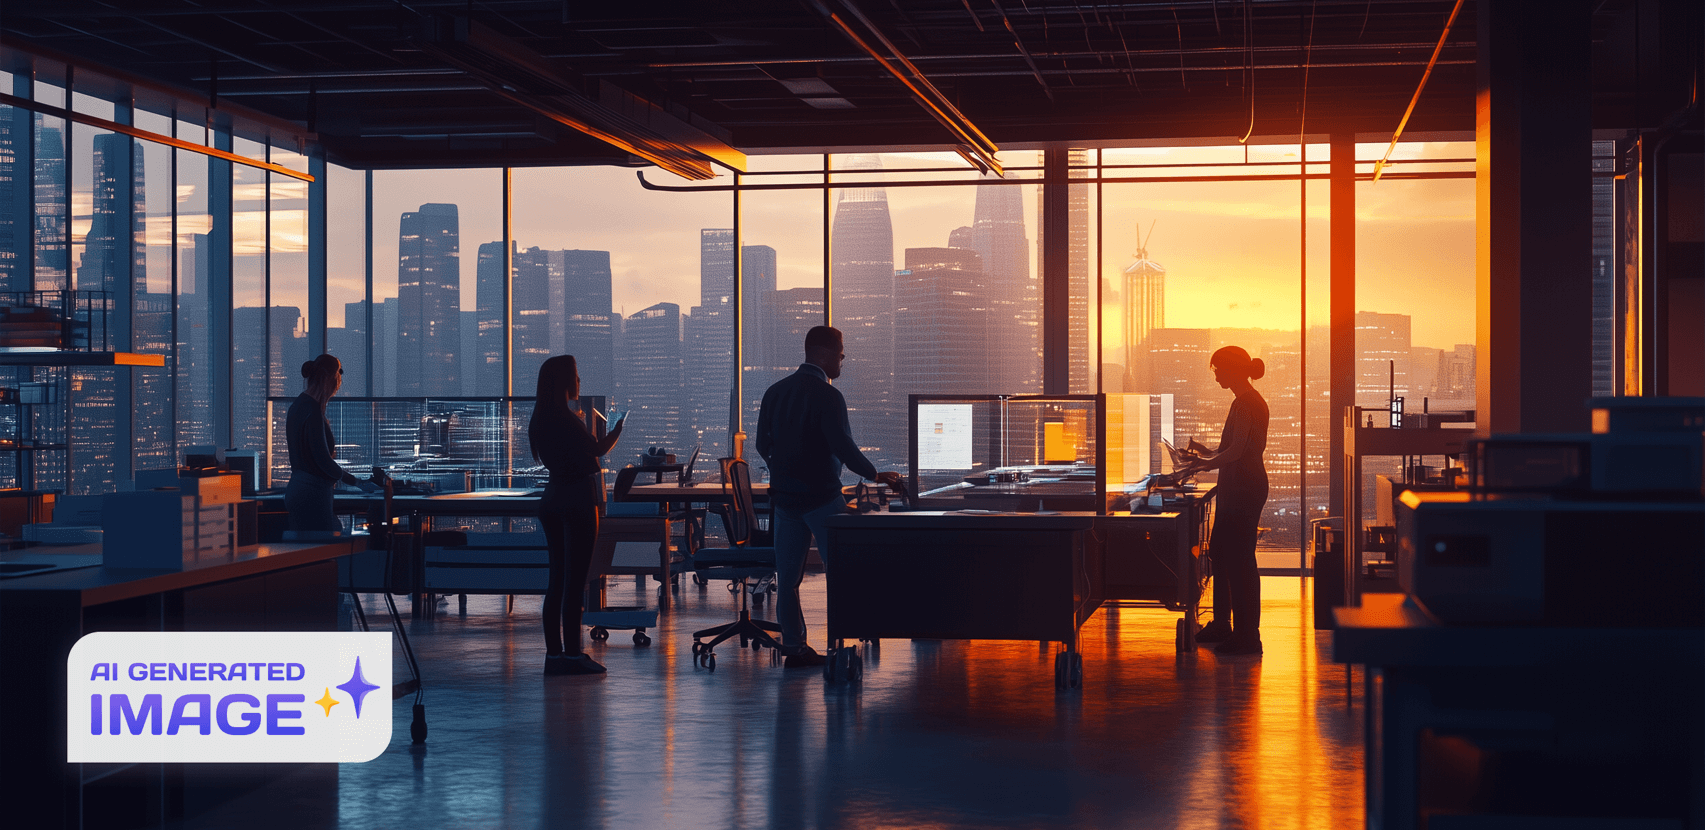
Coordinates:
(1006, 576)
(270, 587)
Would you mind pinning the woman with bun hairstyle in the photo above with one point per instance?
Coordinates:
(314, 470)
(1241, 495)
(568, 510)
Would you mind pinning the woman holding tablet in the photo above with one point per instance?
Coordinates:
(569, 509)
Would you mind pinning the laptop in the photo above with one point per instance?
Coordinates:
(686, 478)
(1174, 458)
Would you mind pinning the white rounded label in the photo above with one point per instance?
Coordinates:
(228, 697)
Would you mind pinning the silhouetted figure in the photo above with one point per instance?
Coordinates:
(314, 470)
(804, 436)
(1241, 495)
(569, 509)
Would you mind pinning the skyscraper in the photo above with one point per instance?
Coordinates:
(429, 297)
(562, 306)
(1382, 358)
(1178, 359)
(942, 320)
(1012, 295)
(651, 367)
(863, 262)
(112, 258)
(709, 346)
(1144, 306)
(488, 320)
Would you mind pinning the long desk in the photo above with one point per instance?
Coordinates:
(276, 587)
(966, 576)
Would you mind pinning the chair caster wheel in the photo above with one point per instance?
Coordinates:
(697, 647)
(600, 633)
(700, 581)
(710, 661)
(641, 639)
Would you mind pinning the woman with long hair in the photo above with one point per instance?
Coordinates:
(314, 470)
(569, 509)
(1240, 497)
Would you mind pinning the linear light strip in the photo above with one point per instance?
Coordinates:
(114, 126)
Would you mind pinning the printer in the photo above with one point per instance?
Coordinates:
(1600, 529)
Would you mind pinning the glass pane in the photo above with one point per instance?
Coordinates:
(250, 320)
(105, 245)
(90, 105)
(782, 282)
(346, 274)
(425, 292)
(1191, 267)
(287, 282)
(198, 268)
(16, 192)
(1415, 306)
(51, 220)
(151, 332)
(953, 268)
(646, 259)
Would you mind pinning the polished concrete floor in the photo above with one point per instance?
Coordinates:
(937, 735)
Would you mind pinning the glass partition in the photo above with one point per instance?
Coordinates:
(428, 445)
(1008, 452)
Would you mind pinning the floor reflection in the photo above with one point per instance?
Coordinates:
(939, 734)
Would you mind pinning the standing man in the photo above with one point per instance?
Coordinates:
(804, 435)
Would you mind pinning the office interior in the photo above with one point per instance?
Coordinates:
(1466, 237)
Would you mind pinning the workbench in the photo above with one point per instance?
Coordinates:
(1007, 576)
(273, 587)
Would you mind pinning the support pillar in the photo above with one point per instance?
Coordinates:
(1533, 252)
(1341, 351)
(1056, 273)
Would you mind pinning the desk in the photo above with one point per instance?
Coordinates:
(1487, 722)
(704, 492)
(277, 587)
(958, 576)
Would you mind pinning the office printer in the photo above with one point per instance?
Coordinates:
(1601, 529)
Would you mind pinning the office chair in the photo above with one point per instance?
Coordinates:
(738, 563)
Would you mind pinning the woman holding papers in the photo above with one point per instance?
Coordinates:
(1241, 495)
(569, 509)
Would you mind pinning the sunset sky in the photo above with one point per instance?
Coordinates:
(1231, 249)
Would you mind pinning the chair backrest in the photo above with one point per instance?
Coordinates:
(737, 480)
(624, 482)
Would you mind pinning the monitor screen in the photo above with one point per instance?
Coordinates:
(944, 436)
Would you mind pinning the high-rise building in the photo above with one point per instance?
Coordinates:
(651, 366)
(385, 324)
(1012, 295)
(785, 315)
(429, 297)
(349, 343)
(1179, 367)
(942, 323)
(194, 370)
(863, 262)
(562, 306)
(52, 254)
(708, 383)
(15, 193)
(488, 321)
(1144, 305)
(1382, 358)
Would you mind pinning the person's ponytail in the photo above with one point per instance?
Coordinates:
(1257, 368)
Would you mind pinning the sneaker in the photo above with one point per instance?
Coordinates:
(805, 657)
(1217, 631)
(556, 664)
(1235, 645)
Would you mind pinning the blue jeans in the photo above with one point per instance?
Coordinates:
(793, 533)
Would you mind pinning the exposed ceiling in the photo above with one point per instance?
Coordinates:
(371, 79)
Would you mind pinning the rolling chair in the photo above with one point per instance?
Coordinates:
(739, 562)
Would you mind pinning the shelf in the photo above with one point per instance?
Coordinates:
(70, 358)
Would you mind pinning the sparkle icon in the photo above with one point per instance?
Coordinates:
(326, 702)
(357, 687)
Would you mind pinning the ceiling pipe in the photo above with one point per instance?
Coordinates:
(974, 146)
(1379, 168)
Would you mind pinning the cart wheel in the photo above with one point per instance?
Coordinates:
(1074, 677)
(697, 647)
(699, 580)
(733, 587)
(640, 639)
(600, 633)
(1178, 636)
(829, 664)
(855, 666)
(710, 661)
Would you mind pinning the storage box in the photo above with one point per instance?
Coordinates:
(167, 528)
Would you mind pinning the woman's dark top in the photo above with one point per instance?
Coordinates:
(1244, 439)
(309, 438)
(566, 447)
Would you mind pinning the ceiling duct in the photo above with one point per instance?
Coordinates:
(615, 116)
